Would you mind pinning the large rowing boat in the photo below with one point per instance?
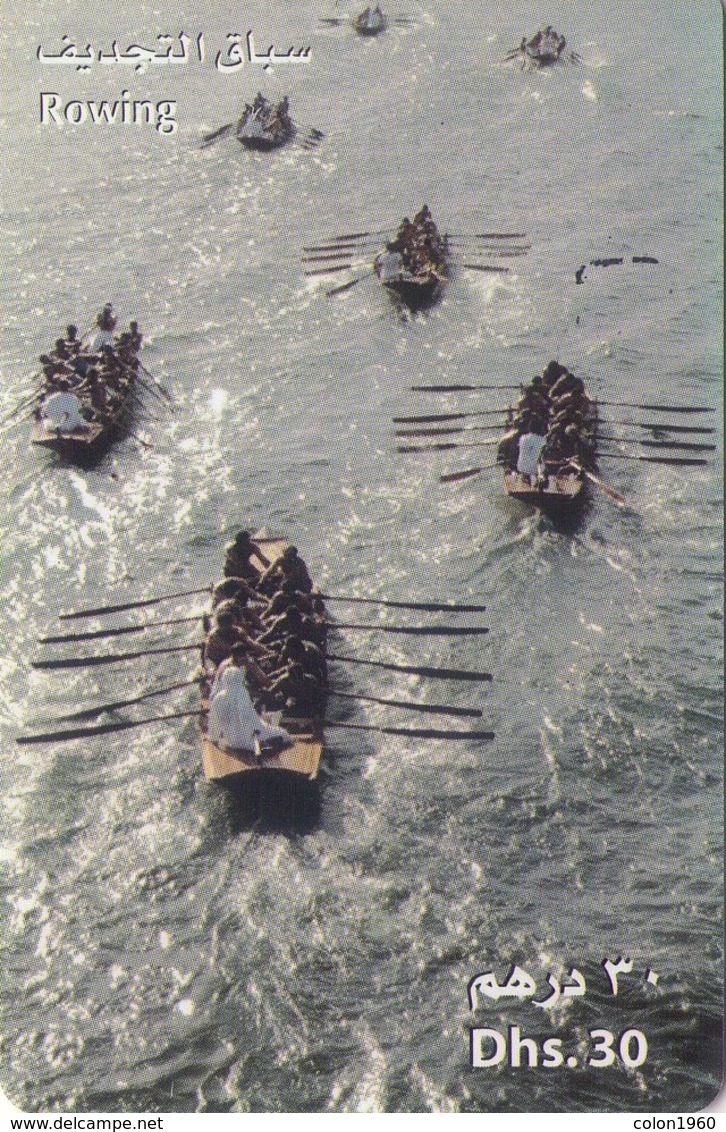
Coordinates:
(544, 49)
(295, 765)
(549, 446)
(415, 264)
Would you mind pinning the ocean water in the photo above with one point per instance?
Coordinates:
(163, 952)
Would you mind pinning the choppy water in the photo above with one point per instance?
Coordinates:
(160, 953)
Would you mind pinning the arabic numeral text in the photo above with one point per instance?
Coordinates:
(632, 1048)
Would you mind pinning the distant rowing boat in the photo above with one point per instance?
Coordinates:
(264, 125)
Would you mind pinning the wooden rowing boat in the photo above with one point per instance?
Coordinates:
(371, 21)
(265, 126)
(296, 765)
(559, 483)
(88, 442)
(415, 264)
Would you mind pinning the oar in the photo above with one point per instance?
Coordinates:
(99, 729)
(660, 408)
(347, 286)
(118, 632)
(113, 658)
(485, 267)
(217, 135)
(676, 461)
(458, 388)
(614, 495)
(429, 606)
(431, 419)
(432, 709)
(444, 447)
(436, 673)
(164, 392)
(452, 477)
(662, 444)
(332, 270)
(104, 609)
(24, 404)
(446, 431)
(661, 426)
(91, 713)
(414, 732)
(418, 631)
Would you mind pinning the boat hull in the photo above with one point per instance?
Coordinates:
(89, 444)
(559, 495)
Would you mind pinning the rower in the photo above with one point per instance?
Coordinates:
(237, 557)
(296, 690)
(288, 566)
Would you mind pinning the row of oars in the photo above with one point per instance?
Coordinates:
(665, 439)
(350, 251)
(115, 658)
(310, 137)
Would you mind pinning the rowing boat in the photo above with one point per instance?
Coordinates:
(548, 448)
(544, 49)
(264, 126)
(371, 21)
(103, 421)
(415, 264)
(295, 766)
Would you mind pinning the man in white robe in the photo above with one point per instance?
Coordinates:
(530, 447)
(234, 725)
(61, 412)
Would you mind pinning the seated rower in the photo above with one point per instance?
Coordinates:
(289, 566)
(224, 635)
(233, 723)
(238, 555)
(61, 411)
(296, 691)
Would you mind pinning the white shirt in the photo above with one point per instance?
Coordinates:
(233, 721)
(530, 446)
(99, 338)
(62, 411)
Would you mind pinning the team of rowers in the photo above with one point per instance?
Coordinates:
(546, 44)
(265, 645)
(371, 19)
(551, 430)
(265, 121)
(418, 249)
(87, 379)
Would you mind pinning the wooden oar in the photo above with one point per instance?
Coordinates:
(447, 446)
(432, 709)
(662, 444)
(157, 384)
(452, 477)
(676, 461)
(105, 609)
(447, 431)
(118, 632)
(660, 408)
(347, 286)
(99, 729)
(459, 388)
(217, 135)
(418, 631)
(333, 270)
(414, 732)
(436, 673)
(661, 426)
(431, 419)
(95, 661)
(614, 495)
(91, 713)
(428, 606)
